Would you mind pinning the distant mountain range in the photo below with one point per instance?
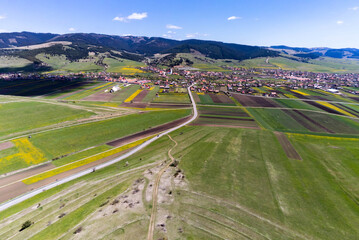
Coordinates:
(318, 52)
(146, 46)
(77, 46)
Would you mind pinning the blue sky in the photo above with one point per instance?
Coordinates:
(315, 23)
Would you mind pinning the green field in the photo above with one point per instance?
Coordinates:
(172, 98)
(59, 63)
(123, 66)
(239, 184)
(71, 139)
(295, 104)
(323, 64)
(205, 99)
(125, 92)
(276, 119)
(22, 116)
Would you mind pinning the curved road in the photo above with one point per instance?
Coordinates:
(28, 195)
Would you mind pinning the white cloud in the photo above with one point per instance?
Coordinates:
(233, 18)
(340, 22)
(354, 8)
(121, 19)
(71, 29)
(2, 17)
(133, 16)
(3, 30)
(137, 16)
(170, 26)
(127, 35)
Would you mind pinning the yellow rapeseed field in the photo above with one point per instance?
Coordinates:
(289, 95)
(329, 105)
(299, 92)
(82, 162)
(27, 152)
(130, 98)
(291, 135)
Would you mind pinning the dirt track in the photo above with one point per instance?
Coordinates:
(6, 145)
(151, 227)
(287, 146)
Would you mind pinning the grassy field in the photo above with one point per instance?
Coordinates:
(21, 116)
(83, 197)
(172, 98)
(295, 104)
(239, 184)
(59, 63)
(151, 95)
(317, 65)
(123, 66)
(255, 178)
(71, 139)
(205, 99)
(87, 92)
(276, 119)
(125, 93)
(13, 62)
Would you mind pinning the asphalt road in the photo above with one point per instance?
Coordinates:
(28, 195)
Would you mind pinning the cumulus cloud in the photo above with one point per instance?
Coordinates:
(354, 8)
(121, 19)
(233, 18)
(137, 16)
(170, 26)
(133, 16)
(340, 22)
(71, 29)
(2, 17)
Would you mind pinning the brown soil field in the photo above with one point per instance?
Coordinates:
(287, 146)
(352, 111)
(100, 96)
(223, 125)
(205, 121)
(24, 174)
(228, 118)
(235, 114)
(141, 96)
(313, 121)
(168, 105)
(196, 98)
(320, 106)
(147, 133)
(220, 98)
(6, 145)
(355, 98)
(134, 105)
(319, 98)
(300, 121)
(250, 101)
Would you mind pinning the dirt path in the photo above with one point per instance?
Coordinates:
(151, 227)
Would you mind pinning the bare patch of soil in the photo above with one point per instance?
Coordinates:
(287, 146)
